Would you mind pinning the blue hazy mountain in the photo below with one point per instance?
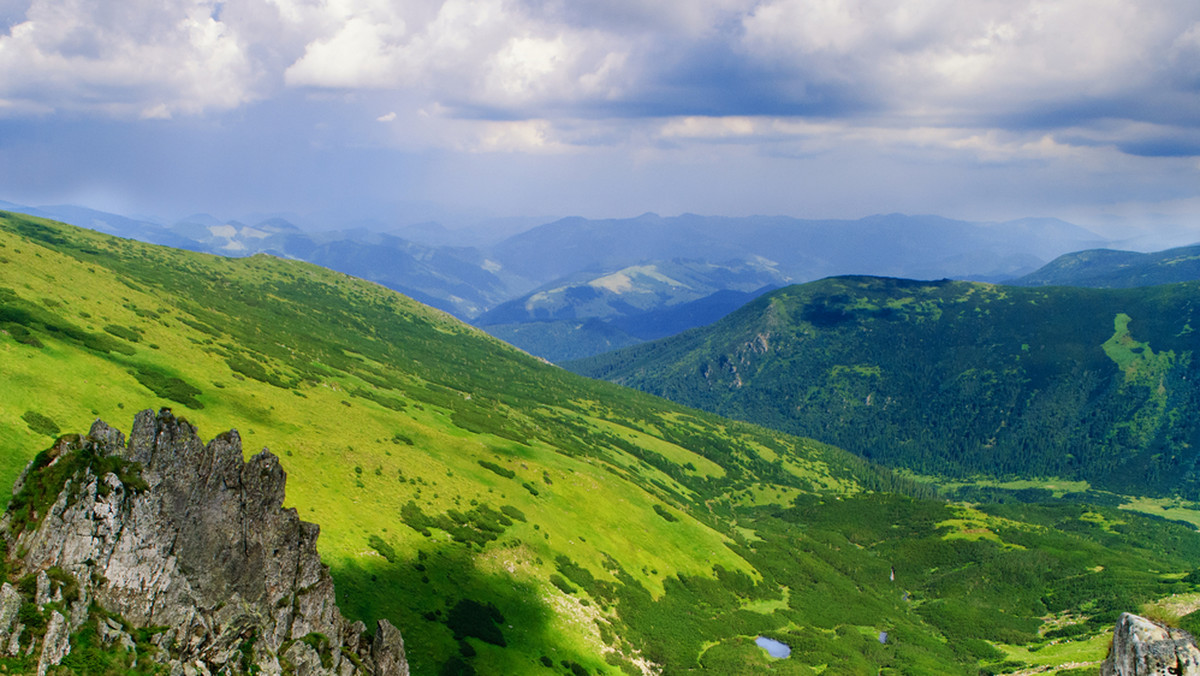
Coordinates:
(591, 313)
(572, 270)
(897, 245)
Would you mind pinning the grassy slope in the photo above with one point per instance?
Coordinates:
(1106, 268)
(637, 530)
(955, 378)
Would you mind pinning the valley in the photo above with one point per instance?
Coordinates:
(527, 338)
(510, 517)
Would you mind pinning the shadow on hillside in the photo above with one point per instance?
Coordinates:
(453, 616)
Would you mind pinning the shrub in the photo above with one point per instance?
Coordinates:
(123, 332)
(662, 511)
(40, 423)
(167, 386)
(563, 586)
(502, 471)
(385, 550)
(473, 619)
(513, 513)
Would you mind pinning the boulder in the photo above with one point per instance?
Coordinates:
(1143, 647)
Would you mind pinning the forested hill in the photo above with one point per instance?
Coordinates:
(1108, 268)
(954, 378)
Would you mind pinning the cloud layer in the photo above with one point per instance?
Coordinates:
(995, 81)
(1014, 63)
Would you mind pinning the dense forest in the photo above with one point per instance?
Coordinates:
(954, 378)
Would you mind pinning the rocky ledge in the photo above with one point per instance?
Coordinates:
(173, 557)
(1142, 647)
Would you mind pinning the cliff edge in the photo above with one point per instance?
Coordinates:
(176, 556)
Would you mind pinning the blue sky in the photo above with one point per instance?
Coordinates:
(1088, 110)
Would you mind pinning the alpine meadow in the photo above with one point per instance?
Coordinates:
(510, 517)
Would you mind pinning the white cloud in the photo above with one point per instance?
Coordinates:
(360, 47)
(524, 136)
(157, 112)
(135, 57)
(711, 127)
(992, 78)
(949, 57)
(492, 54)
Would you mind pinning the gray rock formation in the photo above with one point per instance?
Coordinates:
(168, 533)
(1142, 647)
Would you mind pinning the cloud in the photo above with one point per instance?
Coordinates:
(131, 58)
(1047, 88)
(924, 62)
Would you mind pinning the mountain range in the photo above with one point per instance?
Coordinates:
(550, 289)
(625, 307)
(510, 517)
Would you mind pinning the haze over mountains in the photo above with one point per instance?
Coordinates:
(576, 287)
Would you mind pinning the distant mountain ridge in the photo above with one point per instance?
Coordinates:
(453, 279)
(597, 273)
(923, 247)
(1112, 269)
(596, 312)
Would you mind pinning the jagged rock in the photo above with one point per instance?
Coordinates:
(10, 605)
(387, 650)
(42, 595)
(168, 532)
(1142, 647)
(55, 644)
(14, 641)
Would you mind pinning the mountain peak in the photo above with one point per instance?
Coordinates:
(185, 542)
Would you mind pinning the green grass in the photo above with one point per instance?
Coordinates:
(1167, 508)
(1121, 347)
(1056, 487)
(375, 403)
(1087, 652)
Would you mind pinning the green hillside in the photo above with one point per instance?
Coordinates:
(513, 518)
(1110, 269)
(955, 378)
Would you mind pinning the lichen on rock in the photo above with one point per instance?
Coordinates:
(1143, 647)
(184, 541)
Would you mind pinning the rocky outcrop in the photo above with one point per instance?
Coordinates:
(1142, 647)
(185, 542)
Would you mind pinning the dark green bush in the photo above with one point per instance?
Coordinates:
(40, 423)
(502, 471)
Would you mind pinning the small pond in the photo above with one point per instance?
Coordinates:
(774, 648)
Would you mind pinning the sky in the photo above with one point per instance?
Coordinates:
(1086, 110)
